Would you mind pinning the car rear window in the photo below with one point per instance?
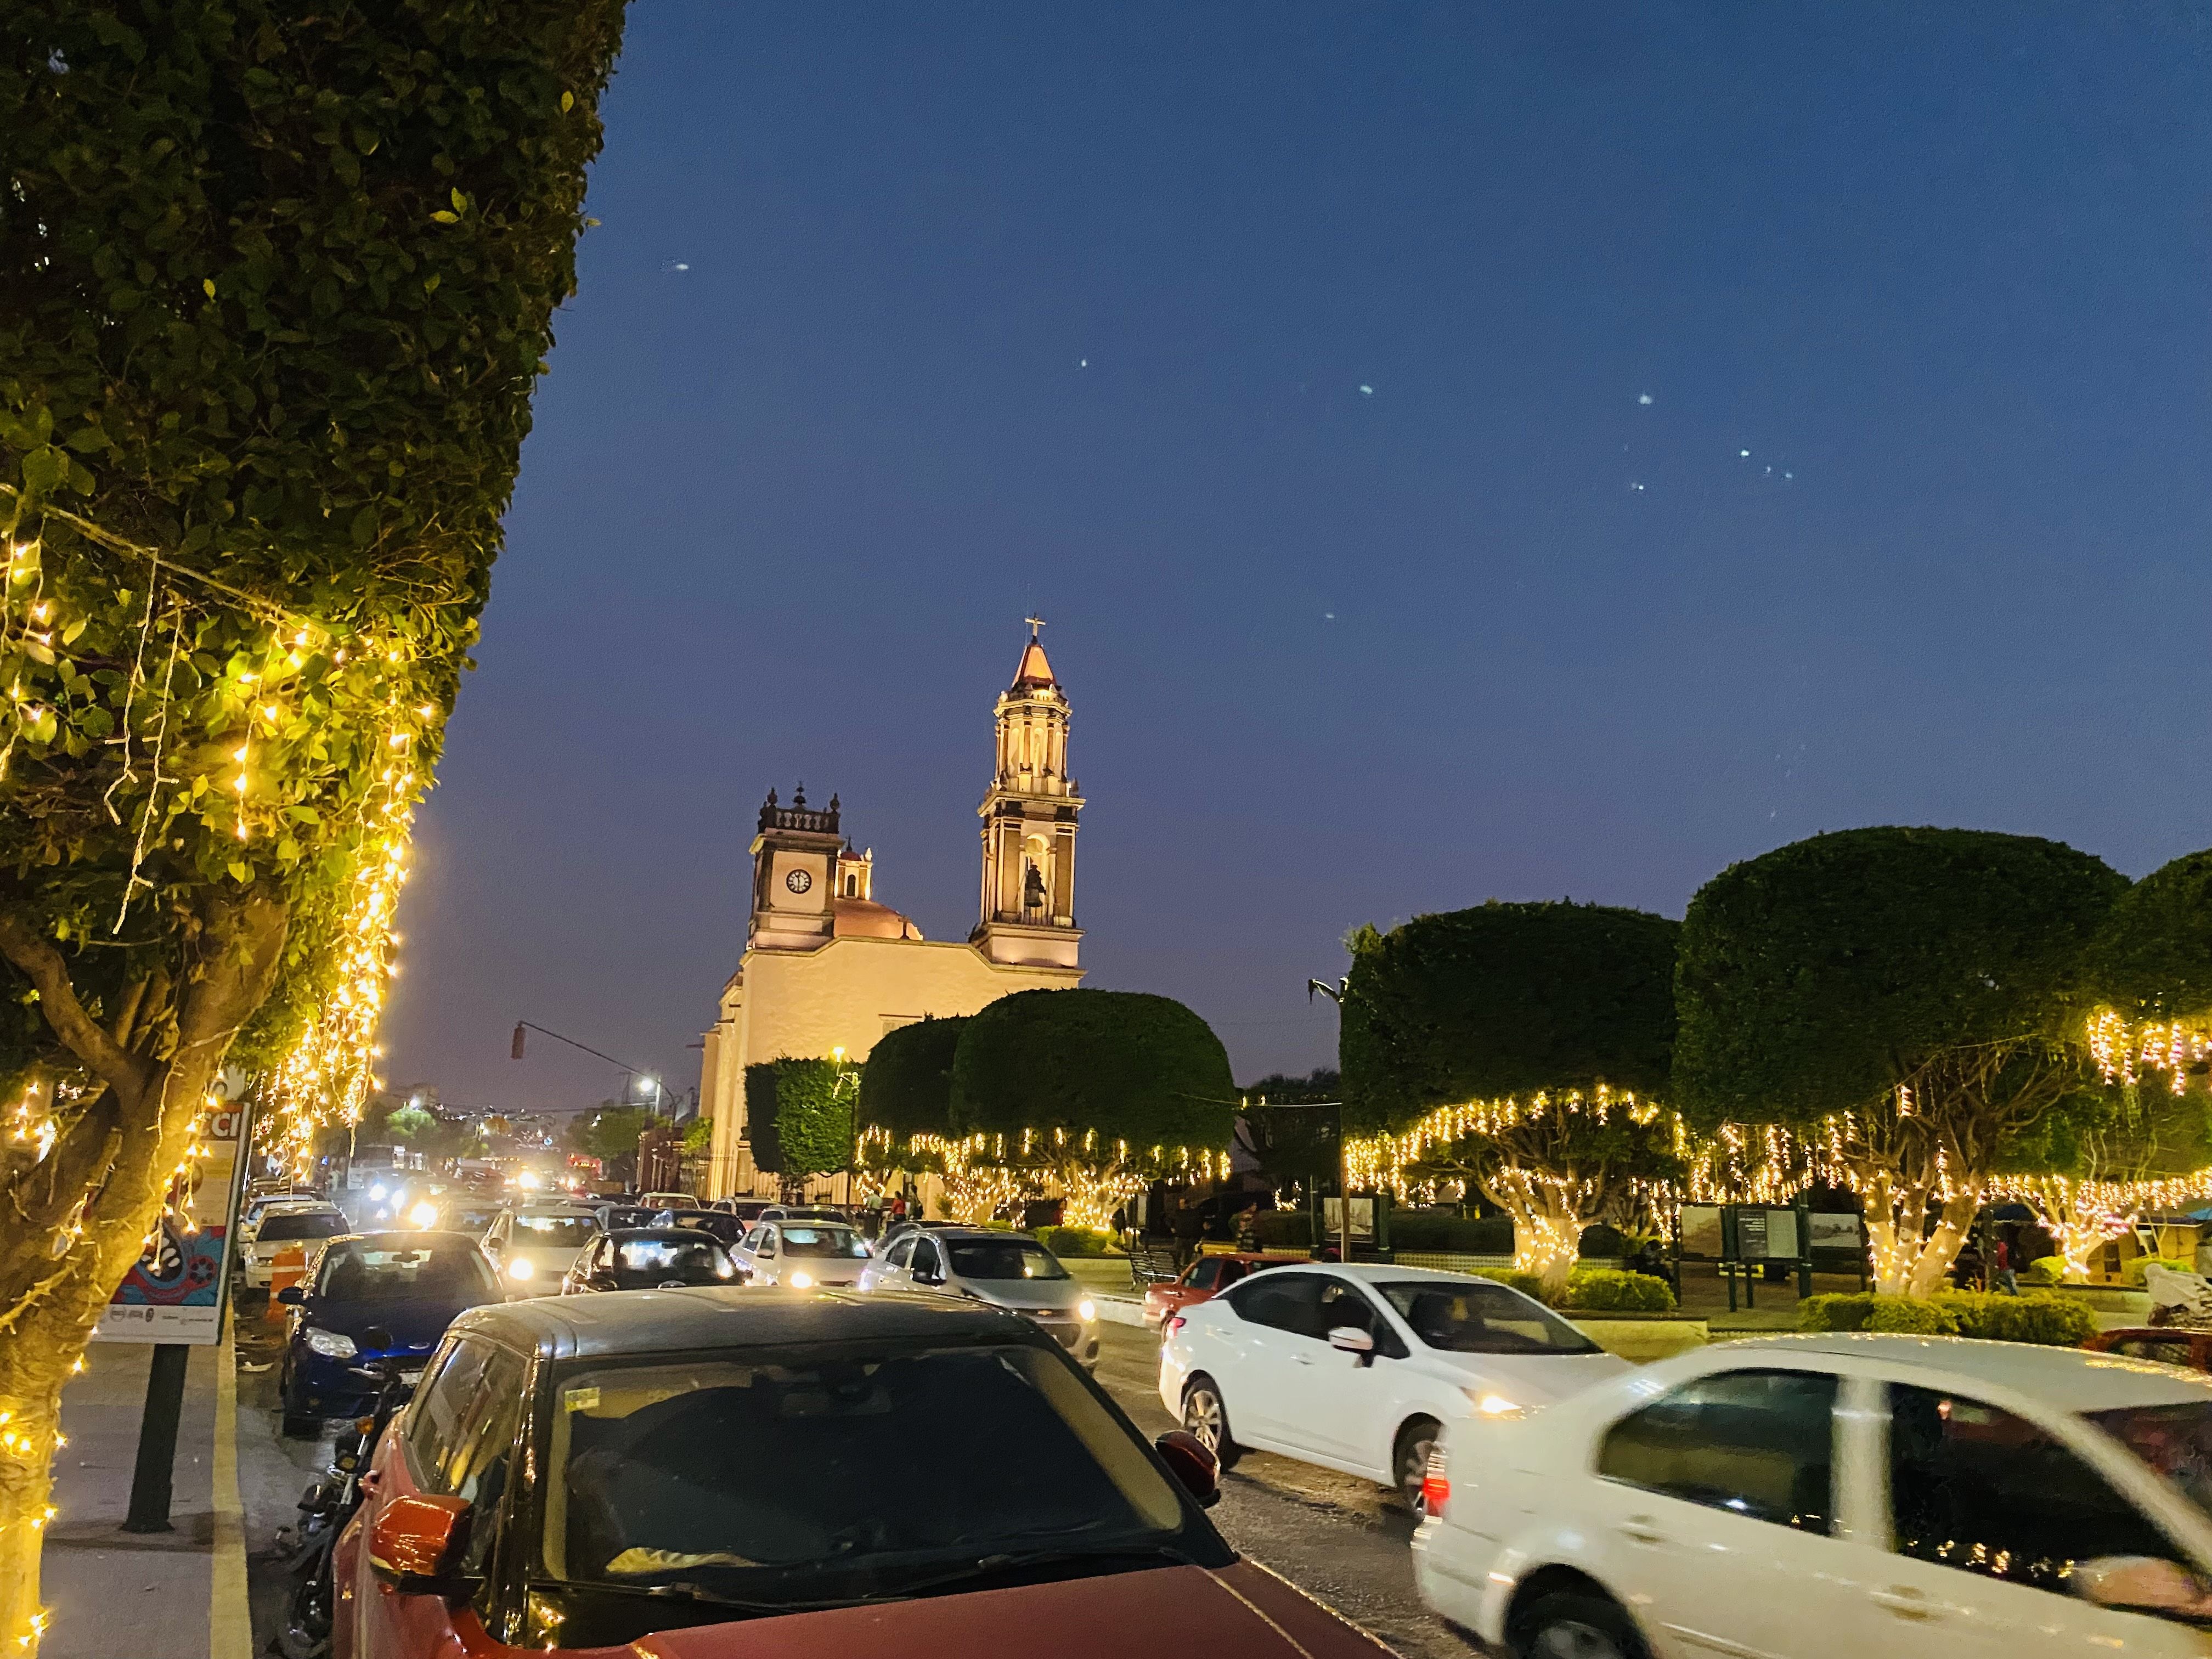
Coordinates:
(809, 1240)
(387, 1270)
(554, 1232)
(280, 1229)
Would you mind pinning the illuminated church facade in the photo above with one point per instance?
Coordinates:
(827, 968)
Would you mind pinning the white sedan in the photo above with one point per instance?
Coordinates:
(1358, 1368)
(1799, 1498)
(802, 1254)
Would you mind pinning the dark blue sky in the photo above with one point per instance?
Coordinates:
(1397, 538)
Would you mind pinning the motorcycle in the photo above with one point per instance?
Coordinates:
(329, 1505)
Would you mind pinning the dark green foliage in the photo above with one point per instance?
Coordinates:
(276, 284)
(2050, 1320)
(800, 1115)
(906, 1085)
(1818, 977)
(1129, 1066)
(2153, 956)
(1076, 1241)
(1505, 1000)
(1609, 1290)
(1489, 1235)
(610, 1134)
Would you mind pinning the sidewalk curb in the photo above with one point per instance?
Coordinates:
(230, 1623)
(1120, 1309)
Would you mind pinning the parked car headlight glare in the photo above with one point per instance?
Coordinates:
(800, 1279)
(1491, 1404)
(423, 1215)
(332, 1344)
(1086, 1310)
(723, 1269)
(520, 1268)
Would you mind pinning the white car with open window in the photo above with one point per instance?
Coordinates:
(1800, 1498)
(1355, 1368)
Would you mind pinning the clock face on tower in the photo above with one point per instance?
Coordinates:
(798, 881)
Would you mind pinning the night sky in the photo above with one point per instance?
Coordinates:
(1364, 394)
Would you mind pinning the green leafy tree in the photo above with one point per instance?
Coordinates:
(801, 1115)
(1911, 997)
(274, 286)
(1524, 1048)
(1105, 1090)
(408, 1123)
(1295, 1123)
(906, 1084)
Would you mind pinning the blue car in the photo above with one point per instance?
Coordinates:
(406, 1286)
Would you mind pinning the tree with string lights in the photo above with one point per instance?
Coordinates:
(1909, 1002)
(1523, 1048)
(275, 290)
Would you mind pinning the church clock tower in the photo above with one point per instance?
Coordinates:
(1028, 824)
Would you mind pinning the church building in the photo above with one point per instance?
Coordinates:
(829, 967)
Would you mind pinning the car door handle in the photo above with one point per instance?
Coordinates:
(1642, 1528)
(1907, 1603)
(1302, 1358)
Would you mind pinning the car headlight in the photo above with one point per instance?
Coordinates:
(1491, 1404)
(332, 1344)
(800, 1279)
(520, 1268)
(1086, 1310)
(379, 1192)
(723, 1269)
(423, 1215)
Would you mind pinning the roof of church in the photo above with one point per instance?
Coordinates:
(1035, 669)
(860, 918)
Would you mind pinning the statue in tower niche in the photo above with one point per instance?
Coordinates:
(1030, 815)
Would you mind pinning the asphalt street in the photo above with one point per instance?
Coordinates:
(1340, 1540)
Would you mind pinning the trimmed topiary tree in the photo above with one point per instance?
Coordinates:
(1523, 1048)
(1908, 1000)
(1104, 1090)
(800, 1115)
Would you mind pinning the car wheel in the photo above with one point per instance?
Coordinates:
(1207, 1418)
(1572, 1627)
(1410, 1461)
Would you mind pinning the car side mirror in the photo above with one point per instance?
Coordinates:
(603, 1282)
(1195, 1469)
(415, 1542)
(2141, 1584)
(292, 1296)
(1350, 1339)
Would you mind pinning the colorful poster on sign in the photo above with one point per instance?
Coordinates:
(177, 1291)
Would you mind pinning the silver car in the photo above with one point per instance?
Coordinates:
(802, 1254)
(1007, 1270)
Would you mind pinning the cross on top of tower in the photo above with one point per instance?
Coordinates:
(1035, 624)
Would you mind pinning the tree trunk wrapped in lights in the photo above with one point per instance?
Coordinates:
(274, 291)
(1909, 1002)
(1520, 1047)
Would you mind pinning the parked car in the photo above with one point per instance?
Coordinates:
(533, 1244)
(803, 1254)
(616, 1218)
(2169, 1345)
(303, 1227)
(269, 1203)
(582, 1474)
(727, 1228)
(1008, 1270)
(1205, 1277)
(1358, 1368)
(651, 1259)
(747, 1210)
(412, 1284)
(668, 1200)
(461, 1212)
(1926, 1498)
(796, 1212)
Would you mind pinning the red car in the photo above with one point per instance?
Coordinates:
(2170, 1345)
(1207, 1278)
(727, 1473)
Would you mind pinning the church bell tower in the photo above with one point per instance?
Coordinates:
(1028, 824)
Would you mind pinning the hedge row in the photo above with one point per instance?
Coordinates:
(2053, 1322)
(1077, 1241)
(1593, 1289)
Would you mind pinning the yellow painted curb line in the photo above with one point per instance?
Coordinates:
(230, 1620)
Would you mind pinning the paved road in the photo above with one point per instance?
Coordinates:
(1341, 1540)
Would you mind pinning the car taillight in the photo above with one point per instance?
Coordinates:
(1435, 1489)
(1176, 1322)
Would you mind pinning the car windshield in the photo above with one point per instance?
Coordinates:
(554, 1232)
(1460, 1317)
(656, 1260)
(470, 1221)
(2174, 1440)
(398, 1269)
(811, 1240)
(1002, 1258)
(287, 1224)
(764, 1480)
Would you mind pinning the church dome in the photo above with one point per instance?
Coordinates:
(860, 918)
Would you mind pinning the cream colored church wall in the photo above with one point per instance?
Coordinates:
(844, 995)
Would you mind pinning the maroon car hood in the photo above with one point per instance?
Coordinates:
(1241, 1611)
